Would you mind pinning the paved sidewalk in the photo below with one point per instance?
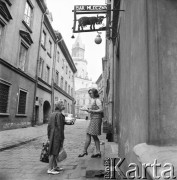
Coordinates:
(15, 137)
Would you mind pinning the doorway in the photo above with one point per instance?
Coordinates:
(46, 111)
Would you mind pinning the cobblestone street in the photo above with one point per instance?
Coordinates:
(22, 162)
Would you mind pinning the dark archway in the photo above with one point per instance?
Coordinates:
(46, 111)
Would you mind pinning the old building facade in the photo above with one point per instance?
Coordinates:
(26, 64)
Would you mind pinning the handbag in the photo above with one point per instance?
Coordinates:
(62, 155)
(44, 157)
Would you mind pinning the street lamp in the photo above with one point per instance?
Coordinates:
(98, 38)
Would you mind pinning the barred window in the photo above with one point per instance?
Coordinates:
(22, 102)
(4, 96)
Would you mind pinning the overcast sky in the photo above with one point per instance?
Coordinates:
(63, 18)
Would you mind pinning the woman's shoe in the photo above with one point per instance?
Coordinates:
(58, 169)
(52, 172)
(96, 155)
(83, 154)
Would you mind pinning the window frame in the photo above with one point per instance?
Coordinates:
(26, 105)
(45, 35)
(61, 82)
(66, 84)
(58, 56)
(50, 47)
(30, 5)
(40, 73)
(47, 79)
(26, 59)
(9, 95)
(56, 77)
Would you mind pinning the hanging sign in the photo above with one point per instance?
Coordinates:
(91, 8)
(95, 20)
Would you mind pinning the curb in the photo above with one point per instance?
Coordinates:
(17, 144)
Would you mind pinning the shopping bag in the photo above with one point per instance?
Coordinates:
(44, 157)
(62, 155)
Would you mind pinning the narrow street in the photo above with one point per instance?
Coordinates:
(22, 162)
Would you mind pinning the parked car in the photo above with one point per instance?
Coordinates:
(69, 118)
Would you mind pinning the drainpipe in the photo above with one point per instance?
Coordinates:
(53, 71)
(33, 122)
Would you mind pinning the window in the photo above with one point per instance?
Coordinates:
(71, 91)
(50, 47)
(66, 86)
(63, 64)
(57, 77)
(71, 110)
(43, 38)
(58, 56)
(68, 89)
(66, 69)
(4, 97)
(28, 14)
(68, 108)
(83, 101)
(69, 74)
(65, 103)
(47, 74)
(41, 65)
(1, 31)
(22, 56)
(61, 82)
(22, 102)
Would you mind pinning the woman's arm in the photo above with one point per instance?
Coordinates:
(99, 104)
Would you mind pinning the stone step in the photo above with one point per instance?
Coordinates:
(95, 166)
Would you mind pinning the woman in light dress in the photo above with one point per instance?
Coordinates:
(94, 128)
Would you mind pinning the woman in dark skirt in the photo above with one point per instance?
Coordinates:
(55, 133)
(94, 128)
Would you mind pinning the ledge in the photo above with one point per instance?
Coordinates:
(4, 114)
(162, 154)
(21, 115)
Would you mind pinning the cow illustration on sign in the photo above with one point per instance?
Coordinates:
(84, 21)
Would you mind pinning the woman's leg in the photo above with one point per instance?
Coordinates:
(87, 142)
(51, 159)
(97, 143)
(54, 162)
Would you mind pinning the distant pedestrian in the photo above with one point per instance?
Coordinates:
(94, 128)
(56, 137)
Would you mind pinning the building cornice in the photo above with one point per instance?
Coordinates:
(57, 88)
(5, 63)
(66, 53)
(49, 27)
(99, 79)
(44, 88)
(42, 5)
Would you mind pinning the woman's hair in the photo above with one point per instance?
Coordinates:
(58, 105)
(95, 92)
